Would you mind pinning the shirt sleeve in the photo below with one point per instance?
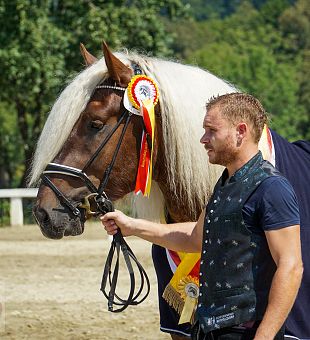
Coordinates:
(273, 205)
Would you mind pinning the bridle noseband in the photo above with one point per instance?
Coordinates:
(101, 197)
(104, 205)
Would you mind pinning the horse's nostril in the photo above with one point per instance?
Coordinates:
(41, 215)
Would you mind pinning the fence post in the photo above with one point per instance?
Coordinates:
(16, 202)
(16, 212)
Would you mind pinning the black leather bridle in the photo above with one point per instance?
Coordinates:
(102, 206)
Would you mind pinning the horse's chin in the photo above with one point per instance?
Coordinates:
(57, 225)
(56, 233)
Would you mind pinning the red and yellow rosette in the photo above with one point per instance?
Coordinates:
(188, 288)
(140, 88)
(182, 291)
(142, 93)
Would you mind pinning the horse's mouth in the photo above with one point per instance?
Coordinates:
(51, 233)
(58, 233)
(55, 225)
(74, 230)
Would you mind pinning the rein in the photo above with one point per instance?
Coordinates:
(104, 205)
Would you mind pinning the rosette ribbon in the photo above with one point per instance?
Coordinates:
(144, 175)
(181, 293)
(140, 98)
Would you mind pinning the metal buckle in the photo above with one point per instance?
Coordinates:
(103, 205)
(86, 204)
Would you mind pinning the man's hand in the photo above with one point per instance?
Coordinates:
(186, 237)
(116, 219)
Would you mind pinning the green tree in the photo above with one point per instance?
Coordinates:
(248, 51)
(11, 147)
(32, 66)
(39, 49)
(295, 25)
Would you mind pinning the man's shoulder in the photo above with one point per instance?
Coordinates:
(275, 188)
(275, 185)
(276, 203)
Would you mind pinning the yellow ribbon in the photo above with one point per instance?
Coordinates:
(149, 105)
(188, 310)
(188, 288)
(178, 291)
(188, 261)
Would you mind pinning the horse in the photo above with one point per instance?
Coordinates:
(91, 110)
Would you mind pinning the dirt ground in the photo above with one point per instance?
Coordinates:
(49, 289)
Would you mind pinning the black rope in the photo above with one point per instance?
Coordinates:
(119, 244)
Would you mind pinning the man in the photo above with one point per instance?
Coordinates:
(248, 234)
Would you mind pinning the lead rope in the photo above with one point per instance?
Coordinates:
(119, 244)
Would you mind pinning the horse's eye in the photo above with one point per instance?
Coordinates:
(96, 124)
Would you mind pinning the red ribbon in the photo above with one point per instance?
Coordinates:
(144, 169)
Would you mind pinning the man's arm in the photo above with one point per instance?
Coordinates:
(185, 237)
(284, 245)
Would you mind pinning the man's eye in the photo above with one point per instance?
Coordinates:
(211, 129)
(96, 124)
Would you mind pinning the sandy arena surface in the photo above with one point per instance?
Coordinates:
(49, 289)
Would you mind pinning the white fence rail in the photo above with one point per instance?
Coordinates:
(16, 208)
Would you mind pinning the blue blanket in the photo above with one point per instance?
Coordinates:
(293, 161)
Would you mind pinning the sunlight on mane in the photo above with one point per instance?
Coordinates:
(183, 90)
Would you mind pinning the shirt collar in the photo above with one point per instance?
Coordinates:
(258, 158)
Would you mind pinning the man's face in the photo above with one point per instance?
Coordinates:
(219, 138)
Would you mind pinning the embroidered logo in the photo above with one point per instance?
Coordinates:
(224, 317)
(215, 320)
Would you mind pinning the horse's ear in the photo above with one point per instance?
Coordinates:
(117, 70)
(88, 57)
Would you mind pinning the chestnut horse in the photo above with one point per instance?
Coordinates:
(89, 110)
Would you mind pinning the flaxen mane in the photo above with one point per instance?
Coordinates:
(183, 90)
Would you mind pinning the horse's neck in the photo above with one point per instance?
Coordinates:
(176, 207)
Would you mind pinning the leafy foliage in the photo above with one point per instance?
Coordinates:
(262, 46)
(39, 50)
(249, 50)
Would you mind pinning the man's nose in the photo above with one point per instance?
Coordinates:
(204, 139)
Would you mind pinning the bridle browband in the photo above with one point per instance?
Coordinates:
(111, 87)
(104, 205)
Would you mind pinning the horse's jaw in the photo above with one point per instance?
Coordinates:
(55, 224)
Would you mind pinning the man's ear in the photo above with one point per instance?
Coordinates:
(241, 132)
(242, 129)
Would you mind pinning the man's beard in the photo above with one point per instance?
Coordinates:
(224, 154)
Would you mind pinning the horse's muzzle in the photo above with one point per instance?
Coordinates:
(55, 224)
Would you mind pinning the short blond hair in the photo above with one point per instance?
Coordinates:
(241, 106)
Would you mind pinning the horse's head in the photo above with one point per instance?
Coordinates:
(104, 144)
